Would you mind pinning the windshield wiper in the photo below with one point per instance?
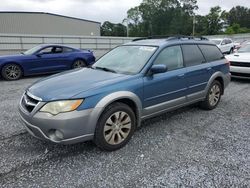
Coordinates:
(105, 69)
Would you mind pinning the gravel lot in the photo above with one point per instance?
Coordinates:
(185, 148)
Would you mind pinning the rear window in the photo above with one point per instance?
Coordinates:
(192, 55)
(211, 53)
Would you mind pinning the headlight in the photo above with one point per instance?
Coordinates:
(61, 106)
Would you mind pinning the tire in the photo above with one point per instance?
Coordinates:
(79, 63)
(115, 127)
(11, 72)
(213, 96)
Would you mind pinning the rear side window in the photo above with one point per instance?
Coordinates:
(65, 50)
(192, 55)
(211, 53)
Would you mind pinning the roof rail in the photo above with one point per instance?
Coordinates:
(171, 37)
(187, 37)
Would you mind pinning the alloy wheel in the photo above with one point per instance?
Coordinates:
(79, 64)
(13, 72)
(214, 95)
(117, 128)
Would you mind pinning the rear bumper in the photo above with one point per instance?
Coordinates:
(227, 79)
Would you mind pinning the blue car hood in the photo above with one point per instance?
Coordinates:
(11, 56)
(68, 84)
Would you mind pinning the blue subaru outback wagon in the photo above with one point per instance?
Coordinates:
(106, 102)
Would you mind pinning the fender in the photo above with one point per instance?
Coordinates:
(213, 77)
(107, 100)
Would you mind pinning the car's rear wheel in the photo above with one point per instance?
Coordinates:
(115, 127)
(12, 72)
(213, 96)
(79, 63)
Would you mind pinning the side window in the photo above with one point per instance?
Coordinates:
(224, 42)
(192, 55)
(211, 52)
(47, 50)
(56, 50)
(171, 57)
(66, 50)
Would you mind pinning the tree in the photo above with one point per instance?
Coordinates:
(111, 29)
(161, 17)
(213, 21)
(239, 15)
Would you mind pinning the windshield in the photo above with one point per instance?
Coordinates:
(125, 59)
(32, 50)
(244, 49)
(216, 41)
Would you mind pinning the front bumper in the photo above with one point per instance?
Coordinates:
(240, 72)
(64, 128)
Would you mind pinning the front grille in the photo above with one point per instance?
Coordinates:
(240, 64)
(240, 74)
(29, 102)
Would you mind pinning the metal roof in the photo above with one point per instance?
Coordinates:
(52, 14)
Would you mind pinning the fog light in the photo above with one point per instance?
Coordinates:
(59, 134)
(55, 135)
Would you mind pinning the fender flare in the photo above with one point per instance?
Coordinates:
(107, 100)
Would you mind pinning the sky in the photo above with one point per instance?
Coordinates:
(101, 10)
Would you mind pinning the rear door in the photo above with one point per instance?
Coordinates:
(198, 71)
(165, 90)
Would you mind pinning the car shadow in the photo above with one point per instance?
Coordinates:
(240, 80)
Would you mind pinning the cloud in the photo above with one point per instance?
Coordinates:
(100, 10)
(96, 10)
(204, 5)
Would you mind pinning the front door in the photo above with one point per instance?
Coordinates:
(166, 90)
(49, 59)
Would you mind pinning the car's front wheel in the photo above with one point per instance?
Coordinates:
(79, 63)
(213, 96)
(115, 127)
(11, 72)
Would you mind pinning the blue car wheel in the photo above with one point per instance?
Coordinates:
(79, 63)
(12, 72)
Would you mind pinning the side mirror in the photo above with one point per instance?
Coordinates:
(161, 68)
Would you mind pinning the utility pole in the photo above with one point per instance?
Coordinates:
(194, 25)
(126, 20)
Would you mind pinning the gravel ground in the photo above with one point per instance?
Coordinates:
(188, 147)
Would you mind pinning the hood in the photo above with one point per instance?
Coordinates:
(68, 84)
(11, 56)
(239, 57)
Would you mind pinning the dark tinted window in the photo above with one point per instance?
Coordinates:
(65, 49)
(211, 53)
(192, 55)
(170, 56)
(57, 50)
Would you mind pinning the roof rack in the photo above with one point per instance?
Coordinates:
(172, 37)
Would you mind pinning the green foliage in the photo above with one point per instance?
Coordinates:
(168, 17)
(235, 28)
(111, 29)
(213, 21)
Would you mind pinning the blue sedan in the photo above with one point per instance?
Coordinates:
(44, 59)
